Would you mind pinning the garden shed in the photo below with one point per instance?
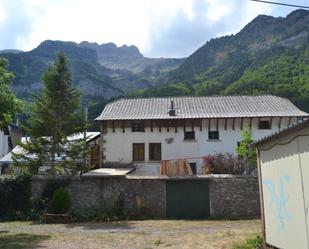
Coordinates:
(284, 187)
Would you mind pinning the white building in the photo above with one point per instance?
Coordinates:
(144, 131)
(92, 140)
(4, 143)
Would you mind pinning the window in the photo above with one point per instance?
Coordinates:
(138, 127)
(189, 135)
(193, 168)
(138, 152)
(264, 125)
(213, 135)
(155, 151)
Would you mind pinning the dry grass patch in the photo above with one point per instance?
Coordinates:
(137, 234)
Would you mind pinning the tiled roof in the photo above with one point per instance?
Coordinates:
(200, 107)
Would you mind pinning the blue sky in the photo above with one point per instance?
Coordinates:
(159, 28)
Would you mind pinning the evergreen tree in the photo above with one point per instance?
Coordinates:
(9, 104)
(55, 119)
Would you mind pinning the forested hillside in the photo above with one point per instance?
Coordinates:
(268, 56)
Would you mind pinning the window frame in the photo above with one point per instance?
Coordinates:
(217, 137)
(264, 127)
(193, 167)
(151, 156)
(134, 147)
(190, 137)
(138, 126)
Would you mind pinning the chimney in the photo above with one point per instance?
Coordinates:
(172, 111)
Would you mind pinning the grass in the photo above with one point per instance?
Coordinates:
(252, 243)
(22, 240)
(185, 234)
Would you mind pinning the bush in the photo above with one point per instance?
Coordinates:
(15, 194)
(61, 202)
(225, 163)
(256, 243)
(51, 186)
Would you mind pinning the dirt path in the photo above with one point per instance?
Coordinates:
(129, 235)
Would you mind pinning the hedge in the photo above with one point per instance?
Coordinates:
(15, 194)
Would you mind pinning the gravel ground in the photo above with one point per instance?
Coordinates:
(127, 235)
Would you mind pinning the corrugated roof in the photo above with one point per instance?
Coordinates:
(200, 107)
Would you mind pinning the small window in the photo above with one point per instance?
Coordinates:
(213, 135)
(264, 125)
(193, 168)
(138, 127)
(189, 135)
(138, 152)
(154, 151)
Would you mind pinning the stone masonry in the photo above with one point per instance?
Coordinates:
(230, 196)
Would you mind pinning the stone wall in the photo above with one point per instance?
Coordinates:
(138, 196)
(230, 196)
(234, 197)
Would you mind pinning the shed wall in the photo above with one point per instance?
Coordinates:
(285, 185)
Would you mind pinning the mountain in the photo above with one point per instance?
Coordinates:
(268, 56)
(100, 71)
(13, 51)
(129, 58)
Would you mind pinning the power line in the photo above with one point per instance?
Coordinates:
(284, 4)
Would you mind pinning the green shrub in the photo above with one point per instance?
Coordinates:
(51, 186)
(60, 202)
(256, 243)
(15, 194)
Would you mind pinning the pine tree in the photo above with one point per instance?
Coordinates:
(55, 115)
(9, 104)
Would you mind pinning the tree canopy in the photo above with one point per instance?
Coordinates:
(9, 104)
(55, 119)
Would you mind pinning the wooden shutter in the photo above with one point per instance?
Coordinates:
(138, 152)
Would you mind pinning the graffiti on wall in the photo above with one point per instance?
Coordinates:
(279, 200)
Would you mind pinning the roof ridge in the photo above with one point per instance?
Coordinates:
(194, 96)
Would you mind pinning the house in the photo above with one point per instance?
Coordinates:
(145, 131)
(8, 138)
(284, 186)
(92, 140)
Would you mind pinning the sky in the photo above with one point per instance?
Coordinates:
(159, 28)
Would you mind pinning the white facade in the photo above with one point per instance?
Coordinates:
(117, 143)
(4, 144)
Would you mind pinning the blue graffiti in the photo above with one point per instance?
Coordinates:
(279, 200)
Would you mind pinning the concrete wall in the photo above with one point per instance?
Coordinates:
(117, 146)
(230, 197)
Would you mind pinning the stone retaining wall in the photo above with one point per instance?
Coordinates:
(230, 196)
(234, 197)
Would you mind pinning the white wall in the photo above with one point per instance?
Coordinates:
(285, 186)
(118, 145)
(4, 145)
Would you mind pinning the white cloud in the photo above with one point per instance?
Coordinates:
(156, 27)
